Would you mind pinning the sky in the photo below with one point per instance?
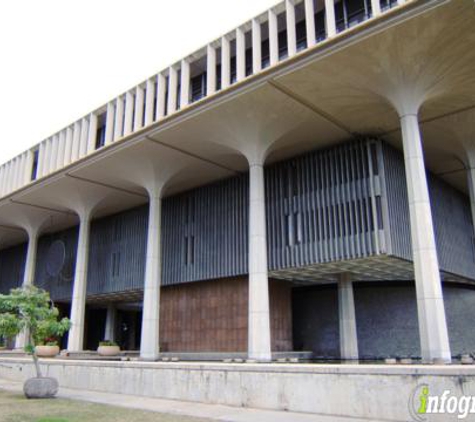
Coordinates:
(61, 59)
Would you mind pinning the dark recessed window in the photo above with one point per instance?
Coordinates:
(34, 168)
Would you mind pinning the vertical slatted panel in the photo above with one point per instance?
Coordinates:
(326, 208)
(117, 252)
(216, 236)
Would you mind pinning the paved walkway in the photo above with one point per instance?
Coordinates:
(175, 407)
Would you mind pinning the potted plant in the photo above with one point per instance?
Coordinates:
(30, 310)
(108, 348)
(48, 348)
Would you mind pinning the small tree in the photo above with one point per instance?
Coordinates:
(31, 310)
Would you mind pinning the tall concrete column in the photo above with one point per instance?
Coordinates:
(149, 101)
(330, 21)
(347, 318)
(92, 133)
(210, 70)
(76, 141)
(256, 46)
(109, 332)
(259, 317)
(273, 38)
(240, 54)
(149, 342)
(54, 153)
(138, 108)
(430, 304)
(61, 149)
(161, 96)
(78, 302)
(310, 22)
(83, 137)
(129, 112)
(291, 28)
(68, 146)
(376, 7)
(119, 118)
(225, 62)
(184, 83)
(172, 90)
(28, 277)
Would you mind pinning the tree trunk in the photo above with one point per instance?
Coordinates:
(35, 358)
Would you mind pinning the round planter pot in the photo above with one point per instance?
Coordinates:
(47, 351)
(108, 350)
(40, 388)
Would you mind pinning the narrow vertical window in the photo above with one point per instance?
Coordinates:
(101, 131)
(34, 168)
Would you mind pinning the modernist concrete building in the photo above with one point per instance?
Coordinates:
(303, 183)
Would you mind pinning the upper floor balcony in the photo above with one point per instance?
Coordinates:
(276, 36)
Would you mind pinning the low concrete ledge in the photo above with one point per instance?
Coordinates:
(373, 391)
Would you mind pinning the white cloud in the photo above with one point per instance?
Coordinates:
(61, 59)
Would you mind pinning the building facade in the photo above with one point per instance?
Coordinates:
(271, 192)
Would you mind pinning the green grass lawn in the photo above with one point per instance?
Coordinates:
(16, 408)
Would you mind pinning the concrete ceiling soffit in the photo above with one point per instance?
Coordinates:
(249, 125)
(424, 59)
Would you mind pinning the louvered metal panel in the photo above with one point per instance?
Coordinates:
(117, 249)
(324, 206)
(12, 267)
(205, 232)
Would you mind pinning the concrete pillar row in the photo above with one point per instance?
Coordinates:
(78, 301)
(29, 276)
(430, 303)
(347, 318)
(149, 342)
(259, 342)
